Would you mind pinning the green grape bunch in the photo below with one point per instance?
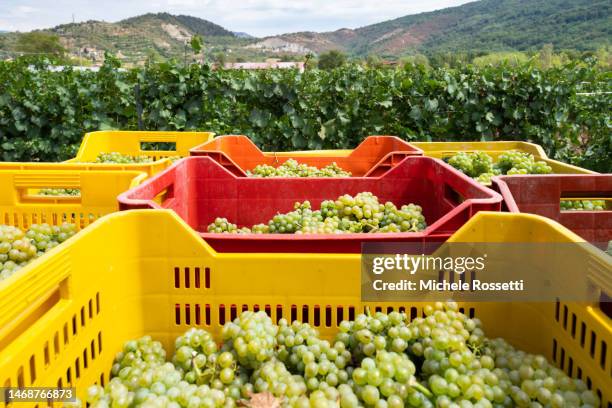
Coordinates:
(583, 205)
(362, 213)
(222, 225)
(72, 192)
(515, 162)
(138, 352)
(119, 158)
(463, 162)
(196, 355)
(481, 163)
(273, 376)
(18, 248)
(481, 167)
(441, 358)
(315, 359)
(485, 178)
(291, 168)
(251, 338)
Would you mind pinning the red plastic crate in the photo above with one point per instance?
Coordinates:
(373, 157)
(198, 189)
(541, 194)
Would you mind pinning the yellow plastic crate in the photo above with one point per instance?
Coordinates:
(442, 150)
(450, 148)
(148, 169)
(146, 272)
(21, 205)
(130, 142)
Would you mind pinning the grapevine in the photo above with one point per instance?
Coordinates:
(50, 111)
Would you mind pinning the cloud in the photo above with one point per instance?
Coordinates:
(186, 3)
(25, 10)
(268, 17)
(257, 17)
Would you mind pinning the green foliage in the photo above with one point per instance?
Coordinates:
(219, 58)
(332, 59)
(38, 42)
(489, 26)
(196, 44)
(153, 57)
(501, 58)
(417, 60)
(43, 114)
(604, 57)
(373, 61)
(310, 61)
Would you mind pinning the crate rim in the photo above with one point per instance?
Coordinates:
(493, 198)
(89, 135)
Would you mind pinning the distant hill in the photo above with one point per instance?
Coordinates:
(480, 26)
(487, 25)
(161, 35)
(241, 34)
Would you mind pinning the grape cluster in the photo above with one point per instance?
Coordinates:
(316, 360)
(273, 376)
(480, 166)
(119, 158)
(291, 168)
(222, 225)
(388, 379)
(583, 205)
(521, 161)
(46, 236)
(472, 164)
(462, 366)
(530, 379)
(196, 356)
(367, 334)
(15, 250)
(251, 337)
(379, 360)
(141, 351)
(17, 247)
(73, 192)
(485, 178)
(155, 386)
(362, 213)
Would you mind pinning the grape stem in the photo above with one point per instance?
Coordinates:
(417, 386)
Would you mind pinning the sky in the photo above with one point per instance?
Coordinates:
(256, 17)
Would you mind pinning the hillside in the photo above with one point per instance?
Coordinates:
(480, 26)
(159, 35)
(487, 25)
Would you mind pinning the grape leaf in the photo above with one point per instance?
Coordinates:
(261, 400)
